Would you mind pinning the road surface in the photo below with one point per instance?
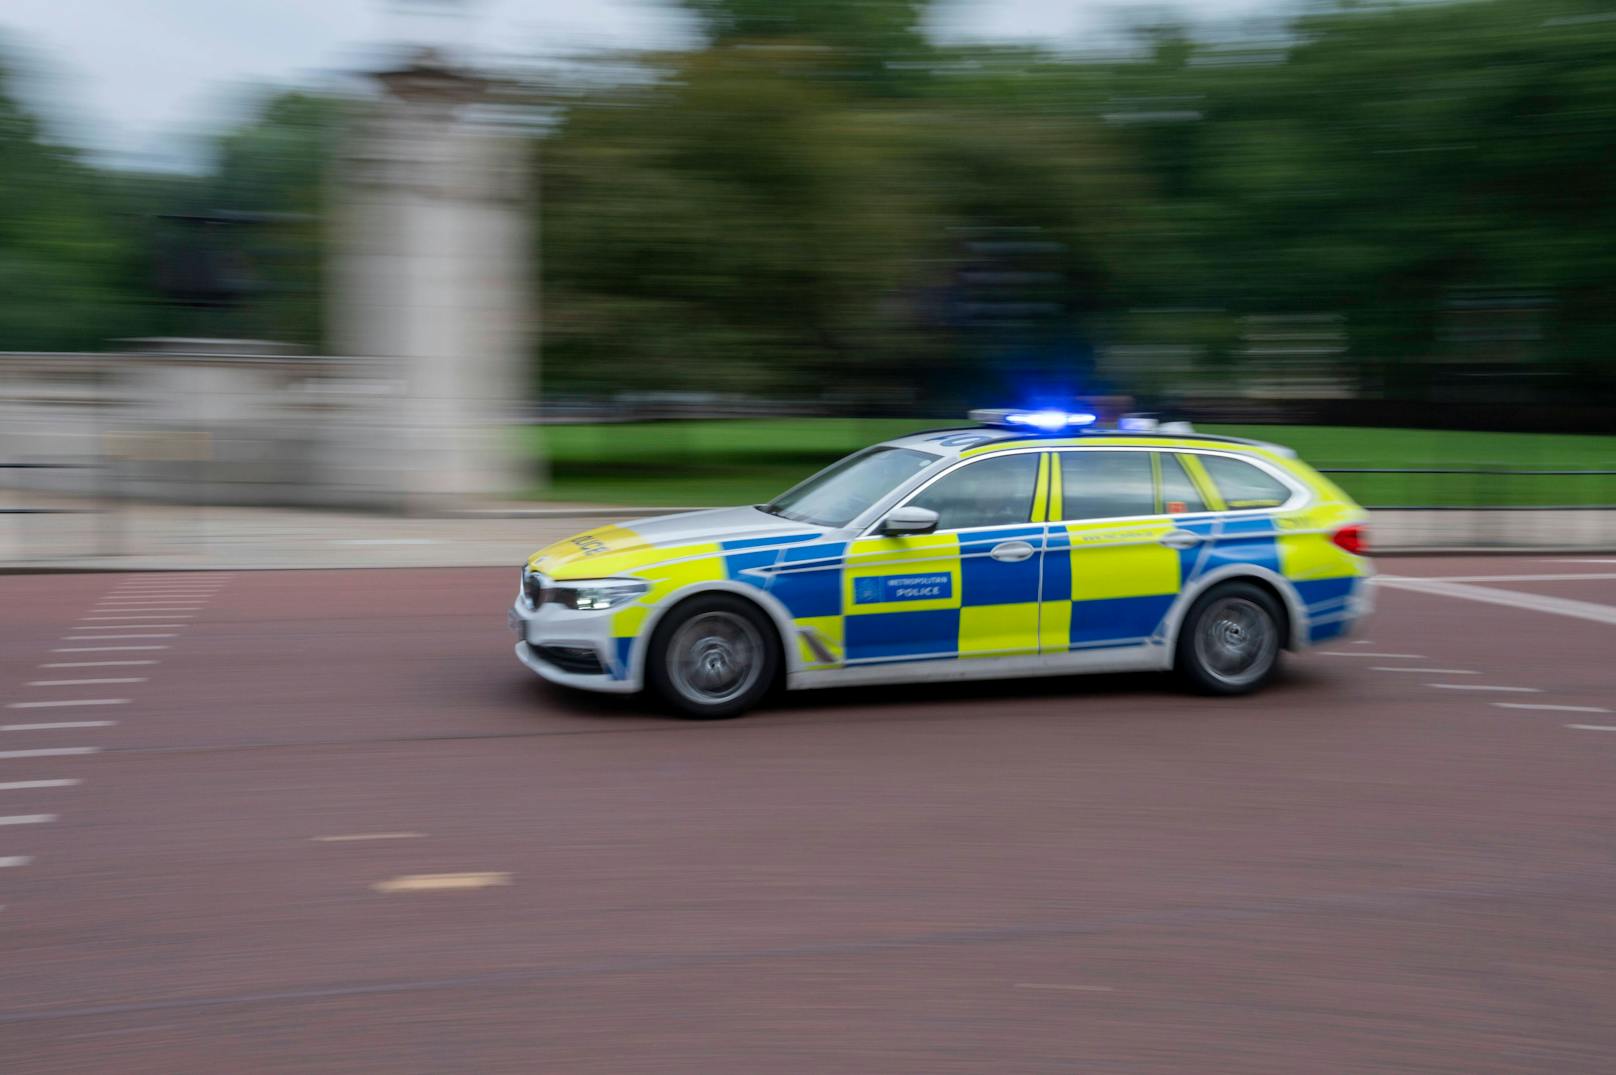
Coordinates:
(322, 821)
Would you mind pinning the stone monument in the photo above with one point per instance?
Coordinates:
(432, 241)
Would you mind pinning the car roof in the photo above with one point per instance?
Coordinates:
(953, 442)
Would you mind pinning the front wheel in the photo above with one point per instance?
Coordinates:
(713, 657)
(1230, 640)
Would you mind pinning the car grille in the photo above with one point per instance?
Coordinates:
(579, 659)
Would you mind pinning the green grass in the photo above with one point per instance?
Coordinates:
(749, 460)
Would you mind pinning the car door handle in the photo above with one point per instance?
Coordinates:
(1182, 539)
(1010, 552)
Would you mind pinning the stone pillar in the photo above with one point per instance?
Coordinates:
(433, 227)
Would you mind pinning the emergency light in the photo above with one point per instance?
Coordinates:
(1045, 421)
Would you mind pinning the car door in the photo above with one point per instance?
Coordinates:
(1126, 527)
(968, 590)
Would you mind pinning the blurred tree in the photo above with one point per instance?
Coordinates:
(60, 244)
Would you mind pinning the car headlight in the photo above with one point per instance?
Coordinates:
(593, 595)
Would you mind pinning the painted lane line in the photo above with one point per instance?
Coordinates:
(1483, 687)
(1597, 576)
(61, 724)
(1070, 988)
(67, 702)
(82, 682)
(28, 819)
(130, 614)
(147, 613)
(14, 860)
(433, 882)
(138, 616)
(117, 638)
(1558, 606)
(100, 649)
(25, 785)
(153, 599)
(125, 626)
(95, 664)
(1576, 561)
(1427, 671)
(1593, 727)
(1376, 656)
(1554, 708)
(146, 605)
(49, 752)
(367, 836)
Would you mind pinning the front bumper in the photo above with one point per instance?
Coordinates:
(571, 648)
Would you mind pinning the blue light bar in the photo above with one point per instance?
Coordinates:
(1041, 421)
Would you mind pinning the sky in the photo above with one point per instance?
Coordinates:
(143, 82)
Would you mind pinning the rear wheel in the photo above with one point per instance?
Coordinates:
(713, 657)
(1230, 640)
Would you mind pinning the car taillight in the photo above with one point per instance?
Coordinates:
(1354, 538)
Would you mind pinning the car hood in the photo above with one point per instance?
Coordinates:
(614, 549)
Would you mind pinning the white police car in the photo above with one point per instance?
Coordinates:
(1033, 543)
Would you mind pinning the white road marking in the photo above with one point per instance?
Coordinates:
(1362, 642)
(14, 860)
(61, 724)
(1567, 560)
(138, 616)
(24, 785)
(1426, 671)
(1072, 988)
(1559, 606)
(1376, 656)
(1556, 708)
(429, 882)
(146, 605)
(49, 752)
(28, 819)
(1567, 577)
(125, 626)
(1484, 687)
(82, 682)
(65, 702)
(99, 649)
(1593, 727)
(117, 638)
(367, 836)
(95, 664)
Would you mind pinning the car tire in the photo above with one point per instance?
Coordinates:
(1230, 641)
(713, 657)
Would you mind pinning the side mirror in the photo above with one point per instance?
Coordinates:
(909, 520)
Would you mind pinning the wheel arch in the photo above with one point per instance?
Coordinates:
(1293, 630)
(775, 612)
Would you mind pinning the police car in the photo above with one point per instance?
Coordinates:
(1034, 543)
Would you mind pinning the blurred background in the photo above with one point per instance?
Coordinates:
(423, 255)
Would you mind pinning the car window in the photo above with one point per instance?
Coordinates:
(1244, 486)
(836, 496)
(1104, 485)
(1178, 492)
(996, 491)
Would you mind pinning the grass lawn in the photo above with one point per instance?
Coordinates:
(745, 461)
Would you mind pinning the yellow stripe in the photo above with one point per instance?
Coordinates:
(1198, 475)
(1040, 499)
(1057, 510)
(1156, 479)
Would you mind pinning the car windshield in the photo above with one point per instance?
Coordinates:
(836, 496)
